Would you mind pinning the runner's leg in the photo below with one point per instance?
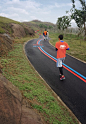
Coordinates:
(61, 70)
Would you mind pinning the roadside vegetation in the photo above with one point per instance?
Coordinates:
(4, 25)
(18, 70)
(76, 43)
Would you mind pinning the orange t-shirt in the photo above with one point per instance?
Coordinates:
(61, 46)
(45, 32)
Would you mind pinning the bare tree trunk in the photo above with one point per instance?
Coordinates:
(85, 31)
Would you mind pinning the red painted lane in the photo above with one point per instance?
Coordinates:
(46, 54)
(75, 74)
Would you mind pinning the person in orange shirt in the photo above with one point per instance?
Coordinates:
(45, 34)
(61, 48)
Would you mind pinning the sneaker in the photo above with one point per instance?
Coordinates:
(62, 77)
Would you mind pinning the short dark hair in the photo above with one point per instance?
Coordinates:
(60, 37)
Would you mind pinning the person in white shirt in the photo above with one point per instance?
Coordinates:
(47, 34)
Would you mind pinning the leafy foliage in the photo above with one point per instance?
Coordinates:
(63, 23)
(45, 26)
(79, 15)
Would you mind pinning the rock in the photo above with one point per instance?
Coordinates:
(29, 31)
(12, 109)
(18, 30)
(21, 30)
(29, 116)
(6, 44)
(10, 102)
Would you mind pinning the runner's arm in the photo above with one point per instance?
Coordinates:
(67, 49)
(56, 49)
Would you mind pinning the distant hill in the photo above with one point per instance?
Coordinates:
(40, 22)
(35, 24)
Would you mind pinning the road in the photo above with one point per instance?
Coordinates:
(72, 90)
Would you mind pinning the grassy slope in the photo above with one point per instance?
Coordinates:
(19, 71)
(77, 45)
(7, 20)
(4, 24)
(35, 24)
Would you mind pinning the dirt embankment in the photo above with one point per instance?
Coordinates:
(14, 109)
(6, 44)
(21, 31)
(7, 39)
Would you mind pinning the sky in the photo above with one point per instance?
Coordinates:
(43, 10)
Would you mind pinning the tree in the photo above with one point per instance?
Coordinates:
(45, 26)
(50, 27)
(63, 23)
(41, 25)
(79, 15)
(59, 23)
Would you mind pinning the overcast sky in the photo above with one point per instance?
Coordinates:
(43, 10)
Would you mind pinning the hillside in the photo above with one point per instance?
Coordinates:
(9, 30)
(14, 28)
(14, 110)
(35, 24)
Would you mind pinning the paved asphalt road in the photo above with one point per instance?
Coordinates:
(72, 90)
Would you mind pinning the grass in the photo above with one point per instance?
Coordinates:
(77, 45)
(19, 71)
(4, 25)
(7, 20)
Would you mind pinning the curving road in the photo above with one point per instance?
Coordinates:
(72, 90)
